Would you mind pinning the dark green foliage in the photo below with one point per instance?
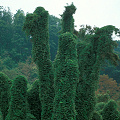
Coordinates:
(113, 71)
(110, 111)
(66, 69)
(66, 78)
(34, 101)
(92, 51)
(1, 116)
(5, 83)
(88, 79)
(13, 41)
(104, 45)
(17, 106)
(67, 19)
(5, 29)
(20, 45)
(91, 56)
(96, 116)
(99, 106)
(36, 25)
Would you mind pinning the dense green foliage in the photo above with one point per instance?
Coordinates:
(34, 101)
(110, 111)
(66, 88)
(17, 107)
(1, 116)
(5, 84)
(91, 56)
(66, 78)
(19, 47)
(36, 25)
(67, 19)
(88, 79)
(96, 116)
(66, 70)
(113, 71)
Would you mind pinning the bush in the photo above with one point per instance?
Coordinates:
(110, 111)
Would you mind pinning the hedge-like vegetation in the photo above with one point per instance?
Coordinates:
(17, 107)
(36, 25)
(5, 84)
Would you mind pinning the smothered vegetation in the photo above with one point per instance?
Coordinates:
(65, 88)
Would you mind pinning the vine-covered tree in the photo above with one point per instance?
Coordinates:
(66, 69)
(91, 56)
(74, 99)
(17, 107)
(5, 84)
(36, 25)
(34, 101)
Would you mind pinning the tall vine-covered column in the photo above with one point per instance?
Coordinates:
(36, 25)
(88, 78)
(66, 78)
(34, 101)
(66, 70)
(90, 58)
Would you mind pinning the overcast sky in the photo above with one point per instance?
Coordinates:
(90, 12)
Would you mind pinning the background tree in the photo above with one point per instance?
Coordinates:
(27, 69)
(5, 29)
(110, 70)
(106, 83)
(20, 43)
(54, 28)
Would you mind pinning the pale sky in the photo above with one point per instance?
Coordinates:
(90, 12)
